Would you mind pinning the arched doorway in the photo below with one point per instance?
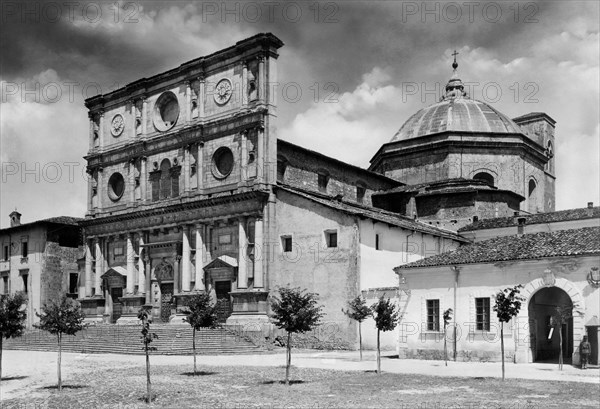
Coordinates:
(545, 338)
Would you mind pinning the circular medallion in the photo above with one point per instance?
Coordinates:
(117, 125)
(223, 91)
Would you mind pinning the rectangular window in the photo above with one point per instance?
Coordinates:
(5, 284)
(482, 310)
(6, 253)
(286, 243)
(24, 249)
(118, 251)
(25, 287)
(323, 180)
(377, 242)
(433, 315)
(73, 281)
(331, 238)
(360, 193)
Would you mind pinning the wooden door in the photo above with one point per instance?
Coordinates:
(166, 301)
(115, 294)
(224, 308)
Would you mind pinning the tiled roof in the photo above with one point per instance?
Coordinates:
(551, 217)
(72, 221)
(385, 216)
(581, 241)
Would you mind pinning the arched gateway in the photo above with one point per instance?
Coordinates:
(542, 295)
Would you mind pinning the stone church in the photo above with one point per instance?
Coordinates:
(191, 189)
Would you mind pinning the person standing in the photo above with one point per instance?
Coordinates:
(585, 349)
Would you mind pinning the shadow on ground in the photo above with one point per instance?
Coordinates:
(65, 387)
(199, 373)
(281, 382)
(14, 378)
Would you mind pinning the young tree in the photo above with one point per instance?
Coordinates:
(358, 310)
(386, 319)
(62, 317)
(12, 321)
(561, 315)
(201, 315)
(447, 318)
(147, 338)
(508, 304)
(295, 311)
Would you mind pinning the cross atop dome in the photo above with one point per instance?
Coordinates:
(454, 87)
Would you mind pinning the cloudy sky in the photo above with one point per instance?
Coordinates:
(362, 68)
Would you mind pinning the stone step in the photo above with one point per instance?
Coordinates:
(126, 339)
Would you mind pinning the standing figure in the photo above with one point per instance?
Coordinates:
(585, 350)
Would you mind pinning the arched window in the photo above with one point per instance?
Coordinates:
(531, 196)
(486, 177)
(165, 180)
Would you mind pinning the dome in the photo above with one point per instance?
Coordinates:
(455, 112)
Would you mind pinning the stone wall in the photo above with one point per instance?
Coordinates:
(58, 263)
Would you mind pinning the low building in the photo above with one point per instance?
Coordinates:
(40, 259)
(555, 257)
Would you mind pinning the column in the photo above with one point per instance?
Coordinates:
(242, 254)
(244, 90)
(199, 258)
(100, 190)
(148, 261)
(176, 280)
(101, 130)
(261, 166)
(90, 187)
(141, 271)
(143, 178)
(186, 263)
(130, 265)
(132, 120)
(201, 97)
(200, 167)
(91, 118)
(261, 79)
(87, 291)
(131, 181)
(186, 168)
(258, 254)
(244, 156)
(188, 101)
(144, 115)
(99, 266)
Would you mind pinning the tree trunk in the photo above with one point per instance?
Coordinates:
(1, 339)
(288, 359)
(378, 354)
(502, 346)
(58, 362)
(359, 341)
(445, 347)
(194, 347)
(148, 386)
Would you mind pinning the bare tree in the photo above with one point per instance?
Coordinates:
(147, 338)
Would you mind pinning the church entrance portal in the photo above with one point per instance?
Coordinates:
(166, 301)
(544, 338)
(224, 308)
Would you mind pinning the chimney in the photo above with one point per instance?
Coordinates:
(15, 218)
(590, 205)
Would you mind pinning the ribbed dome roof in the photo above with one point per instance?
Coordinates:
(456, 114)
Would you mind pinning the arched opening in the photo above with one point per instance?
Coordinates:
(531, 196)
(486, 177)
(545, 335)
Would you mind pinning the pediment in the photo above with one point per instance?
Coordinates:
(222, 262)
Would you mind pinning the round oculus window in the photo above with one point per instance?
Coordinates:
(116, 186)
(222, 163)
(166, 112)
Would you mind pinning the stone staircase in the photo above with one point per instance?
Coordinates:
(126, 339)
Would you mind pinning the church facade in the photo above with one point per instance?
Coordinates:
(191, 190)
